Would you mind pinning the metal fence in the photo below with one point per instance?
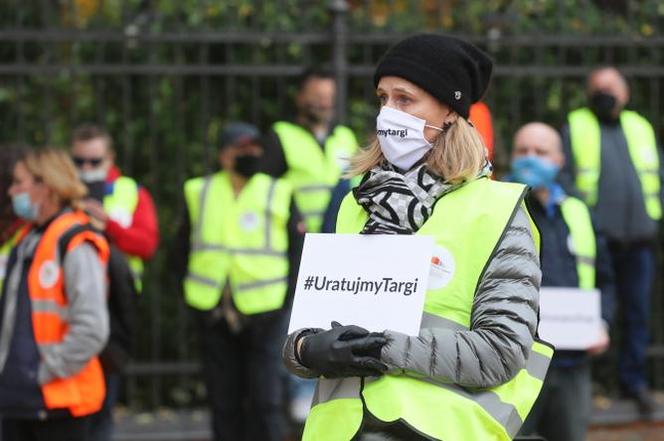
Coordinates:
(165, 90)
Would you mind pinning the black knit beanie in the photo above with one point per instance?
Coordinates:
(455, 72)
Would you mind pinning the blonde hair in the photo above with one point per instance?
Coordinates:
(457, 155)
(56, 170)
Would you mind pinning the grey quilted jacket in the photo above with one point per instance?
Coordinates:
(503, 324)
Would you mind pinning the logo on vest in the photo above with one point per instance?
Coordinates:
(343, 161)
(649, 155)
(443, 267)
(3, 266)
(49, 273)
(570, 245)
(249, 221)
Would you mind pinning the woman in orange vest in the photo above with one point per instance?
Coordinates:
(53, 316)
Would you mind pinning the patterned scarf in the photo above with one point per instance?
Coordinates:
(401, 203)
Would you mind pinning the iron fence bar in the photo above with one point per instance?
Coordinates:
(290, 70)
(339, 10)
(280, 37)
(184, 75)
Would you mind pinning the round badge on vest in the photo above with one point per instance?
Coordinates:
(443, 267)
(49, 273)
(3, 266)
(570, 245)
(343, 161)
(649, 155)
(249, 221)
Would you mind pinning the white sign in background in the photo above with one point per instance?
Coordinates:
(570, 318)
(377, 282)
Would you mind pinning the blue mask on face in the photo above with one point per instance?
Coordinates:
(24, 208)
(534, 171)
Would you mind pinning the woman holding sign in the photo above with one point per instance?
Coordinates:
(475, 368)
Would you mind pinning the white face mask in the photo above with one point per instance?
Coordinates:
(94, 175)
(401, 137)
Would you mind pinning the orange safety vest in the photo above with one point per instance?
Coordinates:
(84, 392)
(480, 116)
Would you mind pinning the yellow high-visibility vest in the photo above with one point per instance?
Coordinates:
(312, 171)
(482, 210)
(586, 141)
(121, 205)
(577, 217)
(239, 241)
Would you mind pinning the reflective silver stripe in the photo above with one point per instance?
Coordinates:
(649, 172)
(198, 229)
(259, 283)
(252, 251)
(50, 307)
(506, 414)
(268, 215)
(537, 365)
(314, 187)
(587, 170)
(316, 213)
(257, 252)
(585, 260)
(203, 280)
(207, 247)
(434, 321)
(335, 389)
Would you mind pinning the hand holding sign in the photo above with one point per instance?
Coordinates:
(343, 351)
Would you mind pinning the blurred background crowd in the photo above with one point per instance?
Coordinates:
(146, 95)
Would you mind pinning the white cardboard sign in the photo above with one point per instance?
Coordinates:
(570, 318)
(377, 282)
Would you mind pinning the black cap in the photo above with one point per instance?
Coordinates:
(454, 71)
(238, 133)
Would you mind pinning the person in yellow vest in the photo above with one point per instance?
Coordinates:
(53, 316)
(612, 159)
(122, 208)
(476, 367)
(574, 256)
(125, 213)
(243, 238)
(312, 151)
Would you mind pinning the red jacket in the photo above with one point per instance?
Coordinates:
(141, 238)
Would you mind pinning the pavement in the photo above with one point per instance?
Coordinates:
(613, 420)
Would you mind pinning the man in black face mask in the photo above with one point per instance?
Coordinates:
(613, 161)
(311, 151)
(239, 247)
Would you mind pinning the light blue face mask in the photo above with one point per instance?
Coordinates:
(24, 208)
(534, 171)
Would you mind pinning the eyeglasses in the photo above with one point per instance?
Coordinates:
(81, 161)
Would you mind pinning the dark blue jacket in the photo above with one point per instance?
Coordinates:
(559, 265)
(20, 393)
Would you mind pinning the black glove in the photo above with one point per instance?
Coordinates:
(343, 351)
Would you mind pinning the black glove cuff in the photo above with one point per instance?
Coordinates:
(301, 335)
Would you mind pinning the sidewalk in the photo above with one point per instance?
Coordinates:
(612, 421)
